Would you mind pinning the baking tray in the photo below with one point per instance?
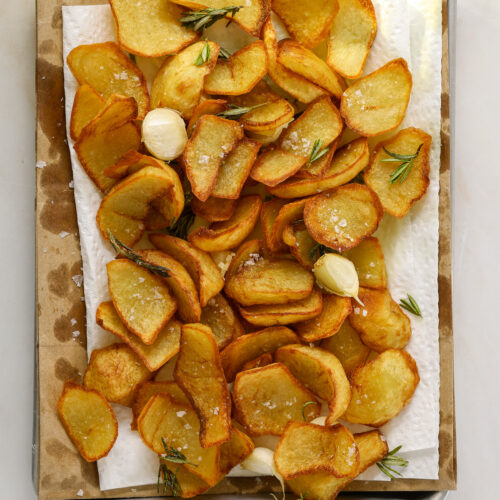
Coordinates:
(58, 470)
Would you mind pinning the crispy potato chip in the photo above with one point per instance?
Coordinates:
(305, 448)
(302, 246)
(107, 137)
(86, 106)
(223, 260)
(109, 71)
(351, 37)
(88, 419)
(335, 311)
(252, 345)
(287, 215)
(234, 451)
(343, 217)
(240, 73)
(154, 30)
(398, 197)
(153, 356)
(179, 82)
(266, 399)
(190, 484)
(382, 388)
(214, 209)
(274, 165)
(268, 214)
(141, 299)
(251, 249)
(346, 164)
(368, 259)
(199, 373)
(208, 107)
(263, 360)
(198, 264)
(220, 317)
(115, 371)
(129, 163)
(320, 372)
(381, 323)
(284, 314)
(212, 140)
(309, 24)
(318, 168)
(166, 372)
(304, 62)
(274, 114)
(231, 233)
(376, 103)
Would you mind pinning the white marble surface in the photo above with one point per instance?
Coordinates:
(476, 245)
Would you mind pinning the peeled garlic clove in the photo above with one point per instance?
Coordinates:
(319, 421)
(164, 133)
(261, 461)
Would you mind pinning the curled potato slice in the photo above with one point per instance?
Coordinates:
(220, 317)
(288, 213)
(251, 249)
(263, 360)
(214, 209)
(268, 214)
(86, 106)
(208, 107)
(275, 165)
(301, 245)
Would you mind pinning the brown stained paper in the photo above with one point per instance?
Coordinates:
(61, 349)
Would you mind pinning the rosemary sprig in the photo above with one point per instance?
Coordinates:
(131, 254)
(303, 496)
(402, 171)
(180, 227)
(173, 455)
(235, 111)
(318, 250)
(304, 406)
(316, 154)
(410, 304)
(199, 19)
(391, 460)
(204, 55)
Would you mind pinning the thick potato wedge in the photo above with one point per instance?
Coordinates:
(304, 62)
(155, 355)
(252, 345)
(381, 323)
(266, 399)
(234, 451)
(382, 388)
(288, 214)
(208, 107)
(115, 371)
(212, 140)
(109, 71)
(220, 317)
(198, 264)
(179, 82)
(347, 162)
(305, 448)
(284, 314)
(86, 106)
(376, 103)
(398, 197)
(335, 311)
(141, 299)
(199, 373)
(320, 372)
(274, 165)
(240, 73)
(231, 233)
(88, 419)
(214, 209)
(263, 360)
(343, 217)
(270, 210)
(351, 37)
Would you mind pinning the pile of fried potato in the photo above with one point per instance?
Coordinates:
(222, 330)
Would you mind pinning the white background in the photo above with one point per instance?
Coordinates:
(476, 246)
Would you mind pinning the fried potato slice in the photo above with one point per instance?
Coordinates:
(288, 214)
(382, 388)
(179, 82)
(106, 138)
(166, 372)
(240, 73)
(109, 71)
(115, 371)
(343, 217)
(220, 317)
(164, 420)
(207, 107)
(266, 399)
(155, 355)
(270, 210)
(376, 103)
(318, 168)
(251, 249)
(154, 30)
(306, 448)
(347, 347)
(274, 165)
(190, 484)
(214, 209)
(320, 372)
(368, 259)
(86, 106)
(235, 169)
(304, 62)
(296, 85)
(252, 345)
(88, 419)
(212, 140)
(381, 323)
(335, 311)
(397, 198)
(284, 314)
(141, 299)
(198, 264)
(199, 373)
(347, 162)
(263, 360)
(234, 451)
(231, 233)
(311, 23)
(301, 243)
(351, 37)
(274, 114)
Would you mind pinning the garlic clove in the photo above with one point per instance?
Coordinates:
(261, 461)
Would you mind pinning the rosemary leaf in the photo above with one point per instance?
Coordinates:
(168, 479)
(316, 154)
(200, 19)
(204, 55)
(391, 460)
(304, 406)
(237, 111)
(173, 455)
(410, 304)
(401, 172)
(180, 227)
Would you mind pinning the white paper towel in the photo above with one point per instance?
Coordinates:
(409, 29)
